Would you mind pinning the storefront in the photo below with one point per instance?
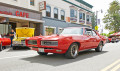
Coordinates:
(12, 17)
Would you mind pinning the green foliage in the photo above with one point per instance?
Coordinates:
(112, 17)
(104, 34)
(93, 21)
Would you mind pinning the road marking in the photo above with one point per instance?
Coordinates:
(110, 66)
(116, 68)
(17, 56)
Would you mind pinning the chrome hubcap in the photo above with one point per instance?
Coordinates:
(101, 47)
(74, 50)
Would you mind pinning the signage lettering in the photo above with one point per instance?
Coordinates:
(22, 14)
(5, 12)
(17, 13)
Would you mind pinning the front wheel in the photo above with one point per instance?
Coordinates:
(72, 52)
(99, 48)
(42, 53)
(1, 48)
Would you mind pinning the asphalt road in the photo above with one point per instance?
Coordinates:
(28, 60)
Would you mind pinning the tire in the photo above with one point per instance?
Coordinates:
(72, 52)
(1, 48)
(42, 53)
(99, 48)
(14, 48)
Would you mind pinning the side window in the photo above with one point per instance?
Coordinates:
(88, 32)
(94, 34)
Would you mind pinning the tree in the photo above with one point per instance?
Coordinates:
(93, 21)
(112, 17)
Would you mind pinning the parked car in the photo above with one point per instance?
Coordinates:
(21, 34)
(70, 42)
(4, 42)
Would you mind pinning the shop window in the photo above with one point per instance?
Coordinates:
(62, 15)
(83, 16)
(49, 31)
(56, 13)
(48, 11)
(32, 2)
(73, 13)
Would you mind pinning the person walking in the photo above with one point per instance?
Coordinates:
(11, 36)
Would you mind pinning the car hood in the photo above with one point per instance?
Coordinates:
(52, 37)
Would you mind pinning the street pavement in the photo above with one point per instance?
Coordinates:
(29, 60)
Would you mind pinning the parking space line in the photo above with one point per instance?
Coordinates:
(17, 56)
(111, 65)
(116, 68)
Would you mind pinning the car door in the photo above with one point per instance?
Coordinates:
(95, 38)
(88, 38)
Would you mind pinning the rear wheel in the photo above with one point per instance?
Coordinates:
(72, 52)
(100, 47)
(42, 53)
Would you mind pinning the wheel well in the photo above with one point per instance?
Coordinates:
(77, 43)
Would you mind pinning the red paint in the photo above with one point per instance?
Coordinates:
(5, 12)
(64, 41)
(22, 14)
(5, 41)
(17, 13)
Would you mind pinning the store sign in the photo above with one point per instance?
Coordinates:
(5, 12)
(17, 13)
(22, 14)
(42, 5)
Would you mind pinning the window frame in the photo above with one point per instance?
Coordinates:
(56, 14)
(80, 13)
(73, 13)
(83, 16)
(62, 15)
(32, 4)
(47, 11)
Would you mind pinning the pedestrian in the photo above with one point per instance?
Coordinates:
(11, 36)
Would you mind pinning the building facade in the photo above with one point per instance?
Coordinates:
(57, 15)
(65, 13)
(20, 13)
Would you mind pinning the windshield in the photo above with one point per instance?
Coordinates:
(72, 31)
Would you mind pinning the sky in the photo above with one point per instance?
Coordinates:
(97, 6)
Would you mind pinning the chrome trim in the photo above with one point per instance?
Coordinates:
(49, 43)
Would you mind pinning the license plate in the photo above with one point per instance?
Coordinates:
(41, 49)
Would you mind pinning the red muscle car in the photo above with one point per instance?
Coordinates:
(70, 42)
(4, 42)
